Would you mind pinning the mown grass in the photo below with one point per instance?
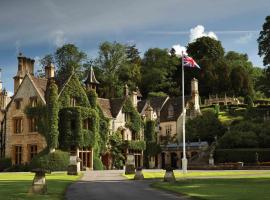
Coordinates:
(221, 189)
(204, 174)
(226, 119)
(16, 186)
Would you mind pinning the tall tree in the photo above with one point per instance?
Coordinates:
(206, 47)
(158, 68)
(264, 41)
(130, 73)
(67, 59)
(111, 58)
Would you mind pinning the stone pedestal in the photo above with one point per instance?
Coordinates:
(130, 169)
(73, 167)
(39, 185)
(169, 176)
(211, 160)
(130, 164)
(138, 174)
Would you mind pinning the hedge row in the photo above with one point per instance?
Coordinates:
(242, 155)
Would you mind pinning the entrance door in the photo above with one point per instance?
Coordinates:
(174, 160)
(163, 160)
(86, 159)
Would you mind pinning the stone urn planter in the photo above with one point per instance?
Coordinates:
(169, 175)
(138, 174)
(39, 185)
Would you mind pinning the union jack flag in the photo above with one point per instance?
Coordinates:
(189, 62)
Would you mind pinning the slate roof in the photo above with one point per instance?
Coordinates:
(176, 104)
(116, 105)
(40, 84)
(155, 102)
(105, 105)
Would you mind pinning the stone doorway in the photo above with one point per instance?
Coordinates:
(86, 156)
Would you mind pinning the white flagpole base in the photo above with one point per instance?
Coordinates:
(184, 165)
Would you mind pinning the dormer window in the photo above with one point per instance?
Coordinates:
(170, 111)
(72, 102)
(33, 102)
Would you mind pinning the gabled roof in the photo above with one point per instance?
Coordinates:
(39, 84)
(116, 105)
(175, 104)
(105, 106)
(111, 107)
(156, 103)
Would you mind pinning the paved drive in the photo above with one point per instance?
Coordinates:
(110, 185)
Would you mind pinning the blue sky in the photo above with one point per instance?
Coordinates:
(38, 27)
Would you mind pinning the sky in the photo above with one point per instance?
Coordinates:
(38, 27)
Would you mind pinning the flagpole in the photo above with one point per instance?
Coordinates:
(184, 159)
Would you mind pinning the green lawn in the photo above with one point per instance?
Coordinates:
(206, 174)
(15, 186)
(221, 189)
(226, 119)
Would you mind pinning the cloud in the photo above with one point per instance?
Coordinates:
(199, 31)
(179, 49)
(9, 93)
(245, 38)
(18, 46)
(59, 38)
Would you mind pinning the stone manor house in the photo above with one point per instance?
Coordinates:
(21, 141)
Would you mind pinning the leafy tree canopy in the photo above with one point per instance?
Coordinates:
(264, 41)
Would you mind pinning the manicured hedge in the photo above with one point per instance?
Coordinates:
(5, 163)
(56, 161)
(241, 155)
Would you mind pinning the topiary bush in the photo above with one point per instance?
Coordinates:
(56, 161)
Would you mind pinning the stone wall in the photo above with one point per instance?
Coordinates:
(25, 138)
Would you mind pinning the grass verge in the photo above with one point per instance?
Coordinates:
(204, 174)
(17, 185)
(220, 189)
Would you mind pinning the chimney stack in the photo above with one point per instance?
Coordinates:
(25, 65)
(126, 92)
(195, 93)
(49, 71)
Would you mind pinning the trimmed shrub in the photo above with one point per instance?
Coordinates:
(97, 163)
(241, 155)
(19, 168)
(56, 161)
(5, 163)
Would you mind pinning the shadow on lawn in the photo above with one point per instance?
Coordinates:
(220, 189)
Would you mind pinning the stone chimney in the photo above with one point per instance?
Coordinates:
(149, 112)
(134, 99)
(126, 91)
(195, 94)
(49, 71)
(25, 65)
